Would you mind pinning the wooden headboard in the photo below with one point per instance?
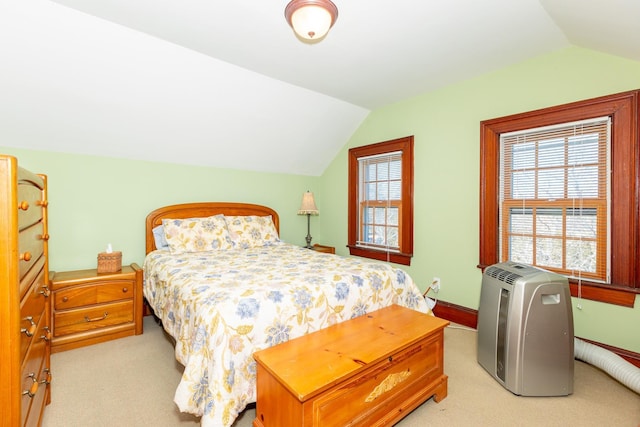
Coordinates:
(200, 210)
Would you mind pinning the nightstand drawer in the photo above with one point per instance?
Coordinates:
(87, 319)
(324, 249)
(93, 293)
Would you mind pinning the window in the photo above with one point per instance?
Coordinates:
(553, 193)
(381, 201)
(553, 203)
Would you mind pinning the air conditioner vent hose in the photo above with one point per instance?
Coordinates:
(614, 365)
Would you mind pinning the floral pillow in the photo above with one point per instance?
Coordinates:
(197, 234)
(251, 231)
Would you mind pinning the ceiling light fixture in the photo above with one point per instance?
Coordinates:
(311, 19)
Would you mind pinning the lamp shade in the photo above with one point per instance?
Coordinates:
(311, 19)
(308, 205)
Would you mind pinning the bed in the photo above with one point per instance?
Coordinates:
(223, 293)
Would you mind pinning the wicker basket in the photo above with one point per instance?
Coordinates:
(109, 262)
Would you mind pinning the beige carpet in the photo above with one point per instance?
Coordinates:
(131, 381)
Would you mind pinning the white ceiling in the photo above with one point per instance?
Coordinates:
(227, 84)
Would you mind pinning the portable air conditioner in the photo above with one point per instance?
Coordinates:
(525, 329)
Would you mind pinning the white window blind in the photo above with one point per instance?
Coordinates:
(554, 198)
(380, 201)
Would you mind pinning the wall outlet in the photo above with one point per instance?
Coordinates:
(435, 284)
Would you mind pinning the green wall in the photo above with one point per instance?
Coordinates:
(94, 201)
(446, 125)
(99, 200)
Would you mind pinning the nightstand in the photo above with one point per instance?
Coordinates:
(325, 249)
(90, 307)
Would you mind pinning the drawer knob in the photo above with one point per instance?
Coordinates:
(47, 377)
(44, 237)
(125, 290)
(34, 386)
(47, 334)
(24, 205)
(65, 299)
(25, 256)
(45, 291)
(96, 319)
(32, 328)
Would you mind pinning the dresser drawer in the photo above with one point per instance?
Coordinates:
(29, 204)
(31, 313)
(30, 247)
(35, 275)
(94, 293)
(94, 317)
(34, 375)
(371, 394)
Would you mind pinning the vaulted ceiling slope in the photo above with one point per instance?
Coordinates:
(227, 84)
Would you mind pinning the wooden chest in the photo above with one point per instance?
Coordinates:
(367, 371)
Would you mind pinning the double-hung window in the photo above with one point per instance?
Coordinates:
(381, 200)
(559, 188)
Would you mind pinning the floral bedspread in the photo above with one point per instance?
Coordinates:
(222, 306)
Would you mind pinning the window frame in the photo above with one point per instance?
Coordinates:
(405, 236)
(624, 110)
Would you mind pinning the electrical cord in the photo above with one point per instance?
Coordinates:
(427, 298)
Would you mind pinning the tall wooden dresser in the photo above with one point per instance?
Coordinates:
(25, 339)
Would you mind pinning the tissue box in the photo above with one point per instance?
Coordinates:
(109, 262)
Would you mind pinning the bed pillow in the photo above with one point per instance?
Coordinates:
(251, 230)
(158, 237)
(197, 234)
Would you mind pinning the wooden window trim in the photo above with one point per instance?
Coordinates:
(624, 109)
(405, 238)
